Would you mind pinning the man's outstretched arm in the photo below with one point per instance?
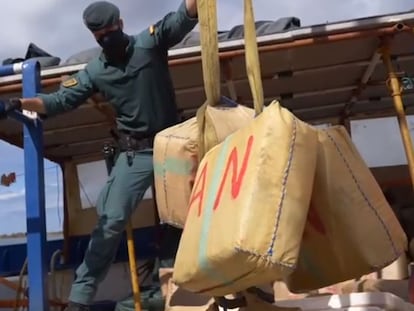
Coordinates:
(172, 28)
(191, 6)
(32, 104)
(73, 92)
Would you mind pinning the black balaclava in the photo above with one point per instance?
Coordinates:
(99, 15)
(114, 44)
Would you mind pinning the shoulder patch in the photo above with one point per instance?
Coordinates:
(152, 30)
(70, 82)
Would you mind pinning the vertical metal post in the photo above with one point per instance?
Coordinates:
(396, 90)
(35, 195)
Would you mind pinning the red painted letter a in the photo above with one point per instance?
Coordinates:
(199, 189)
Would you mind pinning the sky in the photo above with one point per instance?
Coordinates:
(57, 28)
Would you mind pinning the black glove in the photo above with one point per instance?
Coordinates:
(8, 106)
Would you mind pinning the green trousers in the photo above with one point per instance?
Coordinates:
(119, 197)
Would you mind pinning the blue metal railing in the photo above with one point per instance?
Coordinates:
(35, 187)
(8, 70)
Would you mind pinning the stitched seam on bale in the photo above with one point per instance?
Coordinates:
(363, 194)
(164, 176)
(164, 170)
(387, 263)
(269, 253)
(265, 257)
(284, 187)
(176, 137)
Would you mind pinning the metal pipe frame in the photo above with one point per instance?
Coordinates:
(227, 70)
(55, 78)
(396, 93)
(35, 186)
(369, 70)
(398, 27)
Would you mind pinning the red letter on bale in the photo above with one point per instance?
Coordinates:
(236, 179)
(315, 221)
(199, 193)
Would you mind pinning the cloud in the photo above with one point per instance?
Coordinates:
(16, 221)
(9, 195)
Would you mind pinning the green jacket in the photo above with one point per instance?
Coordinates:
(141, 91)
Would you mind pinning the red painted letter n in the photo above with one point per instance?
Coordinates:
(236, 177)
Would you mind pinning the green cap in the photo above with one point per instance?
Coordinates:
(100, 14)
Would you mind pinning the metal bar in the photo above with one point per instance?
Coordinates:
(321, 31)
(133, 266)
(227, 70)
(11, 69)
(369, 70)
(376, 57)
(16, 87)
(76, 128)
(84, 143)
(48, 82)
(239, 51)
(301, 43)
(295, 109)
(399, 107)
(35, 196)
(310, 94)
(18, 116)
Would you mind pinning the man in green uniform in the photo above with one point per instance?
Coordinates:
(132, 74)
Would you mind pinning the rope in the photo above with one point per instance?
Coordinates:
(207, 13)
(252, 57)
(207, 19)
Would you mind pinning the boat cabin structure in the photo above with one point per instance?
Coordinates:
(337, 73)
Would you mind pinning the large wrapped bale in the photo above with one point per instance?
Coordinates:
(351, 229)
(178, 299)
(248, 206)
(176, 157)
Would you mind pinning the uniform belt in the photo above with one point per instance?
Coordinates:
(134, 142)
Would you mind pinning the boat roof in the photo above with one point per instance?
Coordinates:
(323, 73)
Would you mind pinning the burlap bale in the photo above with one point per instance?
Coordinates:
(175, 166)
(248, 206)
(176, 157)
(351, 229)
(177, 299)
(281, 292)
